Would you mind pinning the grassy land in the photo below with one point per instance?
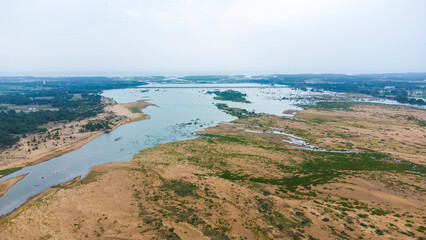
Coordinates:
(396, 130)
(134, 109)
(236, 112)
(233, 184)
(309, 178)
(5, 172)
(230, 95)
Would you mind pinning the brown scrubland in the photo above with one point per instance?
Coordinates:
(239, 184)
(5, 185)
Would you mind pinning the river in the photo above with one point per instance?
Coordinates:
(180, 111)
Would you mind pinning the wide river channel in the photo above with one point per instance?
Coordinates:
(180, 111)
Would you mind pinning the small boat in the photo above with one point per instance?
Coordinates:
(117, 139)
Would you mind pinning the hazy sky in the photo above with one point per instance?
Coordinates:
(213, 36)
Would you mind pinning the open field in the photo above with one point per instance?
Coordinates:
(398, 131)
(239, 184)
(61, 138)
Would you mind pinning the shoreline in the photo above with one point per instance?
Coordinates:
(102, 168)
(119, 110)
(6, 185)
(52, 154)
(129, 187)
(15, 212)
(122, 109)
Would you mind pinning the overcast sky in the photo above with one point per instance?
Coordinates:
(212, 36)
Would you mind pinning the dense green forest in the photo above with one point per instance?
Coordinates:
(68, 99)
(95, 125)
(230, 95)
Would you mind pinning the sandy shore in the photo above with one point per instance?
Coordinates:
(132, 111)
(4, 186)
(37, 148)
(181, 189)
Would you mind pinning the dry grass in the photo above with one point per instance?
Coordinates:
(399, 131)
(233, 186)
(5, 185)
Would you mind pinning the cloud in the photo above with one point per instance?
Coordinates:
(132, 13)
(213, 35)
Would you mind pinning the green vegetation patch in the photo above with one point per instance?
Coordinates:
(325, 161)
(231, 176)
(230, 95)
(181, 188)
(321, 120)
(214, 234)
(92, 176)
(9, 171)
(279, 221)
(134, 110)
(226, 138)
(379, 212)
(335, 105)
(323, 167)
(96, 125)
(236, 112)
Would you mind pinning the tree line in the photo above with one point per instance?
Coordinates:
(58, 93)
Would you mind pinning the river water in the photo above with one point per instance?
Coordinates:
(181, 111)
